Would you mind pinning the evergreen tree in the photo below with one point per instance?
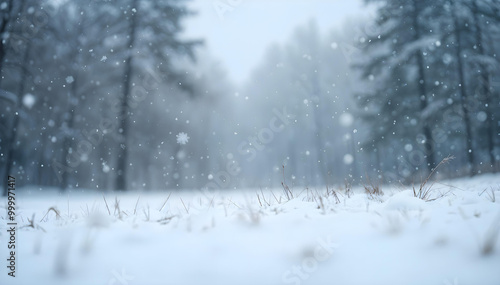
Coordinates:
(395, 61)
(152, 27)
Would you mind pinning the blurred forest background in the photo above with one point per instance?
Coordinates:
(102, 94)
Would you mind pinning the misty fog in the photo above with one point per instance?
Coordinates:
(133, 95)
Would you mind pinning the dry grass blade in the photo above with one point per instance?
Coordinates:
(136, 203)
(337, 200)
(32, 224)
(371, 190)
(32, 221)
(147, 214)
(234, 203)
(278, 201)
(424, 192)
(48, 211)
(107, 207)
(348, 190)
(332, 193)
(260, 203)
(264, 197)
(187, 210)
(117, 208)
(165, 220)
(321, 204)
(164, 203)
(491, 194)
(211, 204)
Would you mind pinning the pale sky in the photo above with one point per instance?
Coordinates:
(239, 33)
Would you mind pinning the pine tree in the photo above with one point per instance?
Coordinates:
(395, 62)
(153, 27)
(486, 63)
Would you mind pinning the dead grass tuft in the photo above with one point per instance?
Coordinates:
(286, 189)
(373, 191)
(424, 192)
(491, 194)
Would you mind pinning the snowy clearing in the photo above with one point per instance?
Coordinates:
(239, 238)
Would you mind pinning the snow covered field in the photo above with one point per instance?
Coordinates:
(241, 238)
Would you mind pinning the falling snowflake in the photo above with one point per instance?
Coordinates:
(346, 119)
(348, 159)
(182, 138)
(105, 167)
(29, 100)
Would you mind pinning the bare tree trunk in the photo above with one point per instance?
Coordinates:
(463, 92)
(10, 140)
(485, 88)
(495, 94)
(69, 137)
(121, 179)
(422, 88)
(355, 162)
(3, 28)
(292, 164)
(178, 166)
(318, 134)
(72, 103)
(378, 161)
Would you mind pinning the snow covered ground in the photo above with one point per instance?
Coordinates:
(233, 238)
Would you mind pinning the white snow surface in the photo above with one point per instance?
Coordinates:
(224, 237)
